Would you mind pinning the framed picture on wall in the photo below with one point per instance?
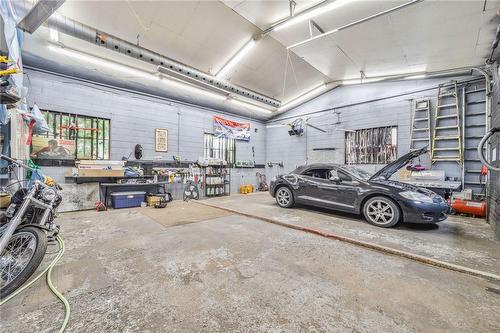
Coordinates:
(161, 139)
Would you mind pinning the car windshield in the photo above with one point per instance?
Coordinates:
(356, 172)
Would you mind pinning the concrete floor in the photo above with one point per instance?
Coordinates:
(459, 240)
(125, 272)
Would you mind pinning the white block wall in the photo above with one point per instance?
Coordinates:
(360, 108)
(134, 118)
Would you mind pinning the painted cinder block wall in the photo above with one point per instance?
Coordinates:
(494, 184)
(134, 118)
(361, 106)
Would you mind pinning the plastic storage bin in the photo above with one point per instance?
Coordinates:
(127, 199)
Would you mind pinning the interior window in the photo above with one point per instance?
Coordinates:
(317, 173)
(344, 177)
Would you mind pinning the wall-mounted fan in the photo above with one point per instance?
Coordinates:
(297, 126)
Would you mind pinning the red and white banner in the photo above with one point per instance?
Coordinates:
(231, 129)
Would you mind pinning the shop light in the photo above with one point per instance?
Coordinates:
(193, 89)
(416, 77)
(303, 97)
(236, 58)
(87, 58)
(54, 35)
(361, 81)
(308, 14)
(251, 106)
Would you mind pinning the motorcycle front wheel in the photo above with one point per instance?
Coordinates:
(20, 258)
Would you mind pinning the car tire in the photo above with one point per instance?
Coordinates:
(284, 197)
(382, 212)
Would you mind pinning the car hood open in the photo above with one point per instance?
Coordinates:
(387, 171)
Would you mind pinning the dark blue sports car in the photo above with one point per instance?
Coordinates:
(383, 202)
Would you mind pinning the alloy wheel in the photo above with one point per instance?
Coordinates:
(283, 197)
(380, 212)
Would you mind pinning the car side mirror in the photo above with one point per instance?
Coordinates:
(335, 179)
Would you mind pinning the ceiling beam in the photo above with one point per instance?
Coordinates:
(37, 15)
(355, 23)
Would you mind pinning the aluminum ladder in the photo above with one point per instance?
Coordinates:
(447, 140)
(420, 135)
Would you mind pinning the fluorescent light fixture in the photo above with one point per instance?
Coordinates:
(193, 89)
(401, 71)
(250, 106)
(276, 125)
(236, 58)
(303, 97)
(361, 81)
(54, 35)
(87, 58)
(416, 77)
(352, 24)
(301, 17)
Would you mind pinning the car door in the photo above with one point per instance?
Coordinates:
(339, 191)
(308, 183)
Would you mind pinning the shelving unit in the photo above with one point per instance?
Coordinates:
(216, 180)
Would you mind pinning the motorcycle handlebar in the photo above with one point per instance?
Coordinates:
(18, 163)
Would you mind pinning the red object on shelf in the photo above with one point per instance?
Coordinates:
(473, 207)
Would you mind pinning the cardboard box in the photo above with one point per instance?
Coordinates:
(100, 162)
(99, 173)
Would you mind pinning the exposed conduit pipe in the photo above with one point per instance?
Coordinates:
(86, 33)
(494, 46)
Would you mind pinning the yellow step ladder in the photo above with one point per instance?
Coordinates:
(447, 139)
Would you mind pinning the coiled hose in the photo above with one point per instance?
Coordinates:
(48, 270)
(480, 149)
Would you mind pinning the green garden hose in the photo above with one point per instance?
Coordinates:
(48, 270)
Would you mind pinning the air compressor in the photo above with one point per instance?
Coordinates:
(476, 208)
(463, 203)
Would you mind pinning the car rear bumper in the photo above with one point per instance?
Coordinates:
(421, 212)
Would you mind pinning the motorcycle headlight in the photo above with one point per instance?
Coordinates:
(415, 196)
(48, 194)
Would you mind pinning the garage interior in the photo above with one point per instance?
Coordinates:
(180, 166)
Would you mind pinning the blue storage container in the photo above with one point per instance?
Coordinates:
(127, 199)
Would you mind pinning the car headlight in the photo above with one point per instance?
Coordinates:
(416, 196)
(48, 194)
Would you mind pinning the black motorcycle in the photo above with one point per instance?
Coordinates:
(26, 227)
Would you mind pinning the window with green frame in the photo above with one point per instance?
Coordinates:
(91, 134)
(219, 147)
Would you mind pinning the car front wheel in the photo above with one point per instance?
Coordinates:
(382, 212)
(284, 197)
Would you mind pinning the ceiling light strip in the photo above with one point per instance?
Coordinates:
(352, 24)
(310, 13)
(306, 97)
(236, 58)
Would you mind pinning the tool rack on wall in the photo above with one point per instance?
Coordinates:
(216, 180)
